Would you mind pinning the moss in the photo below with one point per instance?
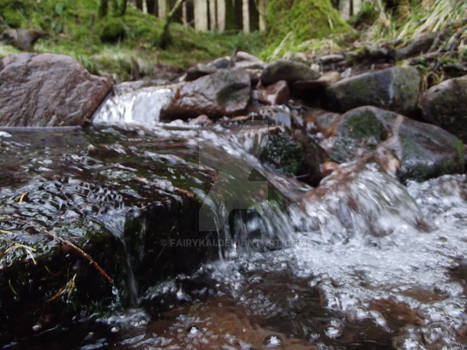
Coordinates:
(283, 153)
(301, 20)
(112, 31)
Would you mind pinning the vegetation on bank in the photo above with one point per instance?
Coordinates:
(116, 44)
(126, 43)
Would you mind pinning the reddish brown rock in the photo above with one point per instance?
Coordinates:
(48, 90)
(224, 93)
(274, 94)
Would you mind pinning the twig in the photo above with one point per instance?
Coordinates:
(64, 241)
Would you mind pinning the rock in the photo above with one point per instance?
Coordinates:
(392, 88)
(332, 58)
(312, 91)
(293, 155)
(95, 190)
(419, 45)
(224, 93)
(48, 90)
(201, 69)
(274, 94)
(289, 71)
(246, 61)
(201, 120)
(309, 91)
(423, 150)
(23, 39)
(446, 105)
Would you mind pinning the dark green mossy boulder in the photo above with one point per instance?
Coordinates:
(395, 88)
(446, 105)
(423, 150)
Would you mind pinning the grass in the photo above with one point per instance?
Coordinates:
(74, 28)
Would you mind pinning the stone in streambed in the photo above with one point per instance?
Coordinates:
(423, 150)
(289, 71)
(224, 93)
(446, 105)
(274, 94)
(393, 88)
(48, 90)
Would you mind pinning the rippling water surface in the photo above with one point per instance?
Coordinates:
(363, 263)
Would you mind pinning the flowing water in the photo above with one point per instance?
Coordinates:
(362, 262)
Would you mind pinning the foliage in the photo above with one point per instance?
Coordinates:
(291, 23)
(100, 44)
(112, 31)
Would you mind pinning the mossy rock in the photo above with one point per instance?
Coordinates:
(112, 31)
(423, 150)
(395, 88)
(446, 105)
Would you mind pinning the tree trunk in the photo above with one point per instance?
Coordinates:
(151, 5)
(262, 15)
(357, 6)
(162, 8)
(212, 15)
(103, 8)
(139, 4)
(201, 15)
(166, 38)
(246, 15)
(221, 15)
(344, 8)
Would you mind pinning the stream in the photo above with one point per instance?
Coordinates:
(366, 263)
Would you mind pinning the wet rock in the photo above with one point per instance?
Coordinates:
(48, 90)
(419, 45)
(289, 71)
(293, 155)
(224, 93)
(23, 39)
(95, 192)
(446, 105)
(393, 88)
(423, 150)
(274, 94)
(202, 120)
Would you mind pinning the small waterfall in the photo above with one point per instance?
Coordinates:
(133, 106)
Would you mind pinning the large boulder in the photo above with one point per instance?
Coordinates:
(446, 105)
(423, 150)
(48, 90)
(393, 88)
(289, 71)
(224, 93)
(125, 208)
